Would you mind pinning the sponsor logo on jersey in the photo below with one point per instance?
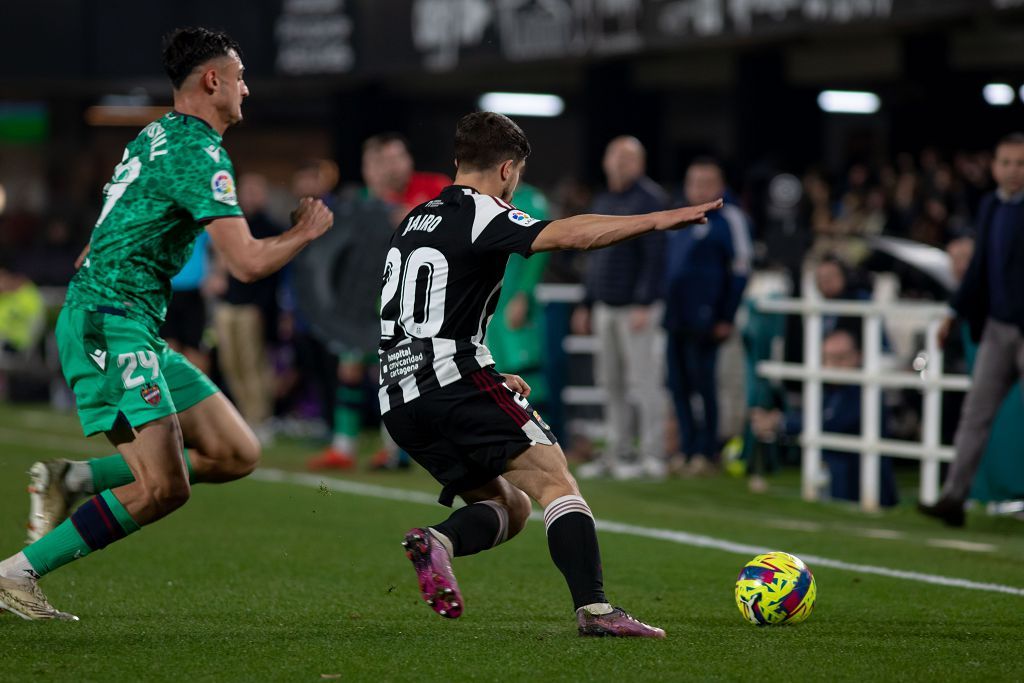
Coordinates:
(433, 204)
(521, 218)
(151, 394)
(214, 152)
(99, 357)
(401, 362)
(223, 186)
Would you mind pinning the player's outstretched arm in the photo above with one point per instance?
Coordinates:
(249, 259)
(589, 231)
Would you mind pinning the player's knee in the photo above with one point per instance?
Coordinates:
(519, 508)
(247, 455)
(235, 457)
(560, 482)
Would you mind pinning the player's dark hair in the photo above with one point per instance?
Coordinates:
(1016, 138)
(708, 160)
(375, 142)
(834, 259)
(187, 48)
(485, 139)
(850, 327)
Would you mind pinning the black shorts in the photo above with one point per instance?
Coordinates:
(186, 318)
(464, 434)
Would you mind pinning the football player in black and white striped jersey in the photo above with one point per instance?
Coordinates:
(443, 401)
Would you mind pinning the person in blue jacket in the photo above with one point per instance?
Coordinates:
(706, 271)
(840, 414)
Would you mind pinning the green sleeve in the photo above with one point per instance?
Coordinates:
(203, 183)
(522, 275)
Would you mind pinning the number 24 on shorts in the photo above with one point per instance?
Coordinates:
(129, 362)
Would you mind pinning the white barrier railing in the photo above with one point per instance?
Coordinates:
(872, 377)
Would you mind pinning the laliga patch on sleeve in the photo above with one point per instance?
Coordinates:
(521, 218)
(223, 186)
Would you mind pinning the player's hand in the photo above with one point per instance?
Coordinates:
(517, 384)
(766, 424)
(580, 322)
(639, 318)
(312, 217)
(721, 331)
(945, 329)
(517, 311)
(687, 215)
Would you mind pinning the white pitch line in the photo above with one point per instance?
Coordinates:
(68, 444)
(680, 537)
(956, 544)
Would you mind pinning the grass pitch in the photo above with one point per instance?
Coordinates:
(270, 581)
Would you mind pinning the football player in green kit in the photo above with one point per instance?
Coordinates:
(169, 423)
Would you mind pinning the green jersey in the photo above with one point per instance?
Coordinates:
(173, 178)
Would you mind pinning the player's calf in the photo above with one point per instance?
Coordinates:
(154, 496)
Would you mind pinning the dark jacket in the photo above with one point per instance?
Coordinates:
(628, 273)
(840, 414)
(706, 271)
(972, 300)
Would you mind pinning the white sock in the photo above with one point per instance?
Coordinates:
(17, 567)
(78, 478)
(343, 443)
(597, 608)
(563, 506)
(445, 541)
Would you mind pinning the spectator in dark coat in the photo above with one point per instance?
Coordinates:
(991, 300)
(706, 273)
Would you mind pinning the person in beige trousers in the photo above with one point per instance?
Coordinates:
(246, 317)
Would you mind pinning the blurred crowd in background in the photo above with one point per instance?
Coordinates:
(660, 310)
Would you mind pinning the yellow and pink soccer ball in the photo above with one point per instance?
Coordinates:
(775, 588)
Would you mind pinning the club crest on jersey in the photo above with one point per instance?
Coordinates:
(223, 186)
(521, 218)
(151, 394)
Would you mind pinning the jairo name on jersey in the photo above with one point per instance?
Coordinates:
(425, 222)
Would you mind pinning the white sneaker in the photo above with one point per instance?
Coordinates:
(49, 499)
(627, 471)
(595, 469)
(757, 484)
(653, 468)
(700, 466)
(24, 598)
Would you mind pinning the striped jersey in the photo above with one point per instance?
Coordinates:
(441, 284)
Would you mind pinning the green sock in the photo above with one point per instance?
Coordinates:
(112, 471)
(346, 415)
(100, 521)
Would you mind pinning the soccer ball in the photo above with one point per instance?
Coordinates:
(775, 588)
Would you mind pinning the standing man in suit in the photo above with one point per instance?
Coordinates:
(991, 300)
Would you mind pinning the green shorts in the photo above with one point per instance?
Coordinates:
(117, 366)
